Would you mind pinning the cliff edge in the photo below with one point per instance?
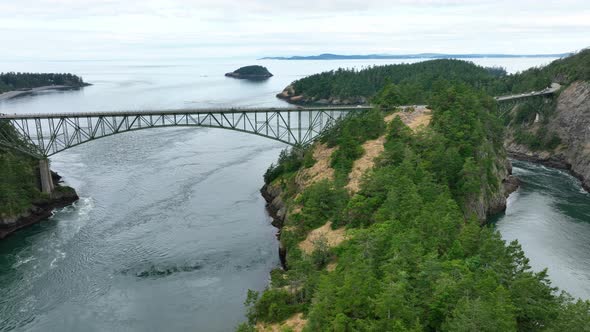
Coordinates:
(21, 201)
(570, 121)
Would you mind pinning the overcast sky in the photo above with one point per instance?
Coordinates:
(115, 29)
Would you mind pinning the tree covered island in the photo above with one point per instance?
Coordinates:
(254, 72)
(14, 84)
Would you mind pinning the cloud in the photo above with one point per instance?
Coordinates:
(68, 8)
(100, 28)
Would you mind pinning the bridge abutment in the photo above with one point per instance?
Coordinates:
(47, 185)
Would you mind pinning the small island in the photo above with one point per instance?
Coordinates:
(254, 72)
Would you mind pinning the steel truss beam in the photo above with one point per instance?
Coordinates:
(44, 135)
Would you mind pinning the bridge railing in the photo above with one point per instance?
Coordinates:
(184, 111)
(52, 133)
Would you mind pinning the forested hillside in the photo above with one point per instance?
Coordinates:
(564, 71)
(416, 81)
(18, 178)
(406, 251)
(18, 183)
(554, 131)
(21, 201)
(14, 81)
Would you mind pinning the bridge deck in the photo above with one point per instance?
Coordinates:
(42, 135)
(183, 111)
(554, 87)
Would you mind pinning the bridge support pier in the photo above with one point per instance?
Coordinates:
(46, 178)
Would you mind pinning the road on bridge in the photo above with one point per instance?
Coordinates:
(547, 91)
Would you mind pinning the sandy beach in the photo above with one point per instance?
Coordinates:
(14, 94)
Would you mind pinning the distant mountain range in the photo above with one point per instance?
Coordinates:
(329, 56)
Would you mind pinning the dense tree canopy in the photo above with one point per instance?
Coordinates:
(415, 82)
(416, 260)
(563, 71)
(18, 178)
(14, 81)
(250, 72)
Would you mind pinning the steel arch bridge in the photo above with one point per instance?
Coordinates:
(44, 135)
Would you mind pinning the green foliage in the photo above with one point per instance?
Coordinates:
(535, 136)
(411, 83)
(574, 316)
(390, 97)
(14, 81)
(564, 71)
(349, 134)
(290, 160)
(343, 158)
(417, 260)
(541, 139)
(18, 186)
(493, 313)
(245, 327)
(277, 278)
(321, 202)
(274, 305)
(321, 252)
(525, 113)
(392, 85)
(254, 70)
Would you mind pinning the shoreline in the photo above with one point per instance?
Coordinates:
(277, 210)
(20, 93)
(551, 163)
(39, 210)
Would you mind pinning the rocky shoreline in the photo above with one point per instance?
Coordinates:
(289, 95)
(571, 122)
(254, 73)
(26, 92)
(552, 161)
(248, 77)
(40, 210)
(277, 210)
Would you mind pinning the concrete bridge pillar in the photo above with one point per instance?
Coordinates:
(46, 179)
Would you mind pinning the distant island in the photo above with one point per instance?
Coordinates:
(18, 84)
(254, 72)
(329, 56)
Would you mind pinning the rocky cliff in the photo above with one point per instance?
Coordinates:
(571, 122)
(294, 97)
(40, 209)
(492, 198)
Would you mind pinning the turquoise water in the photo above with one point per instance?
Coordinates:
(550, 216)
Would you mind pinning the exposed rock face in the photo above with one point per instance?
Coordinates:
(571, 123)
(291, 96)
(39, 211)
(492, 200)
(274, 203)
(278, 211)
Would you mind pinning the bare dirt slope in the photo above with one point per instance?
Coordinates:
(415, 119)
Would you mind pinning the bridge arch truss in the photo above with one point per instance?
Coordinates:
(48, 134)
